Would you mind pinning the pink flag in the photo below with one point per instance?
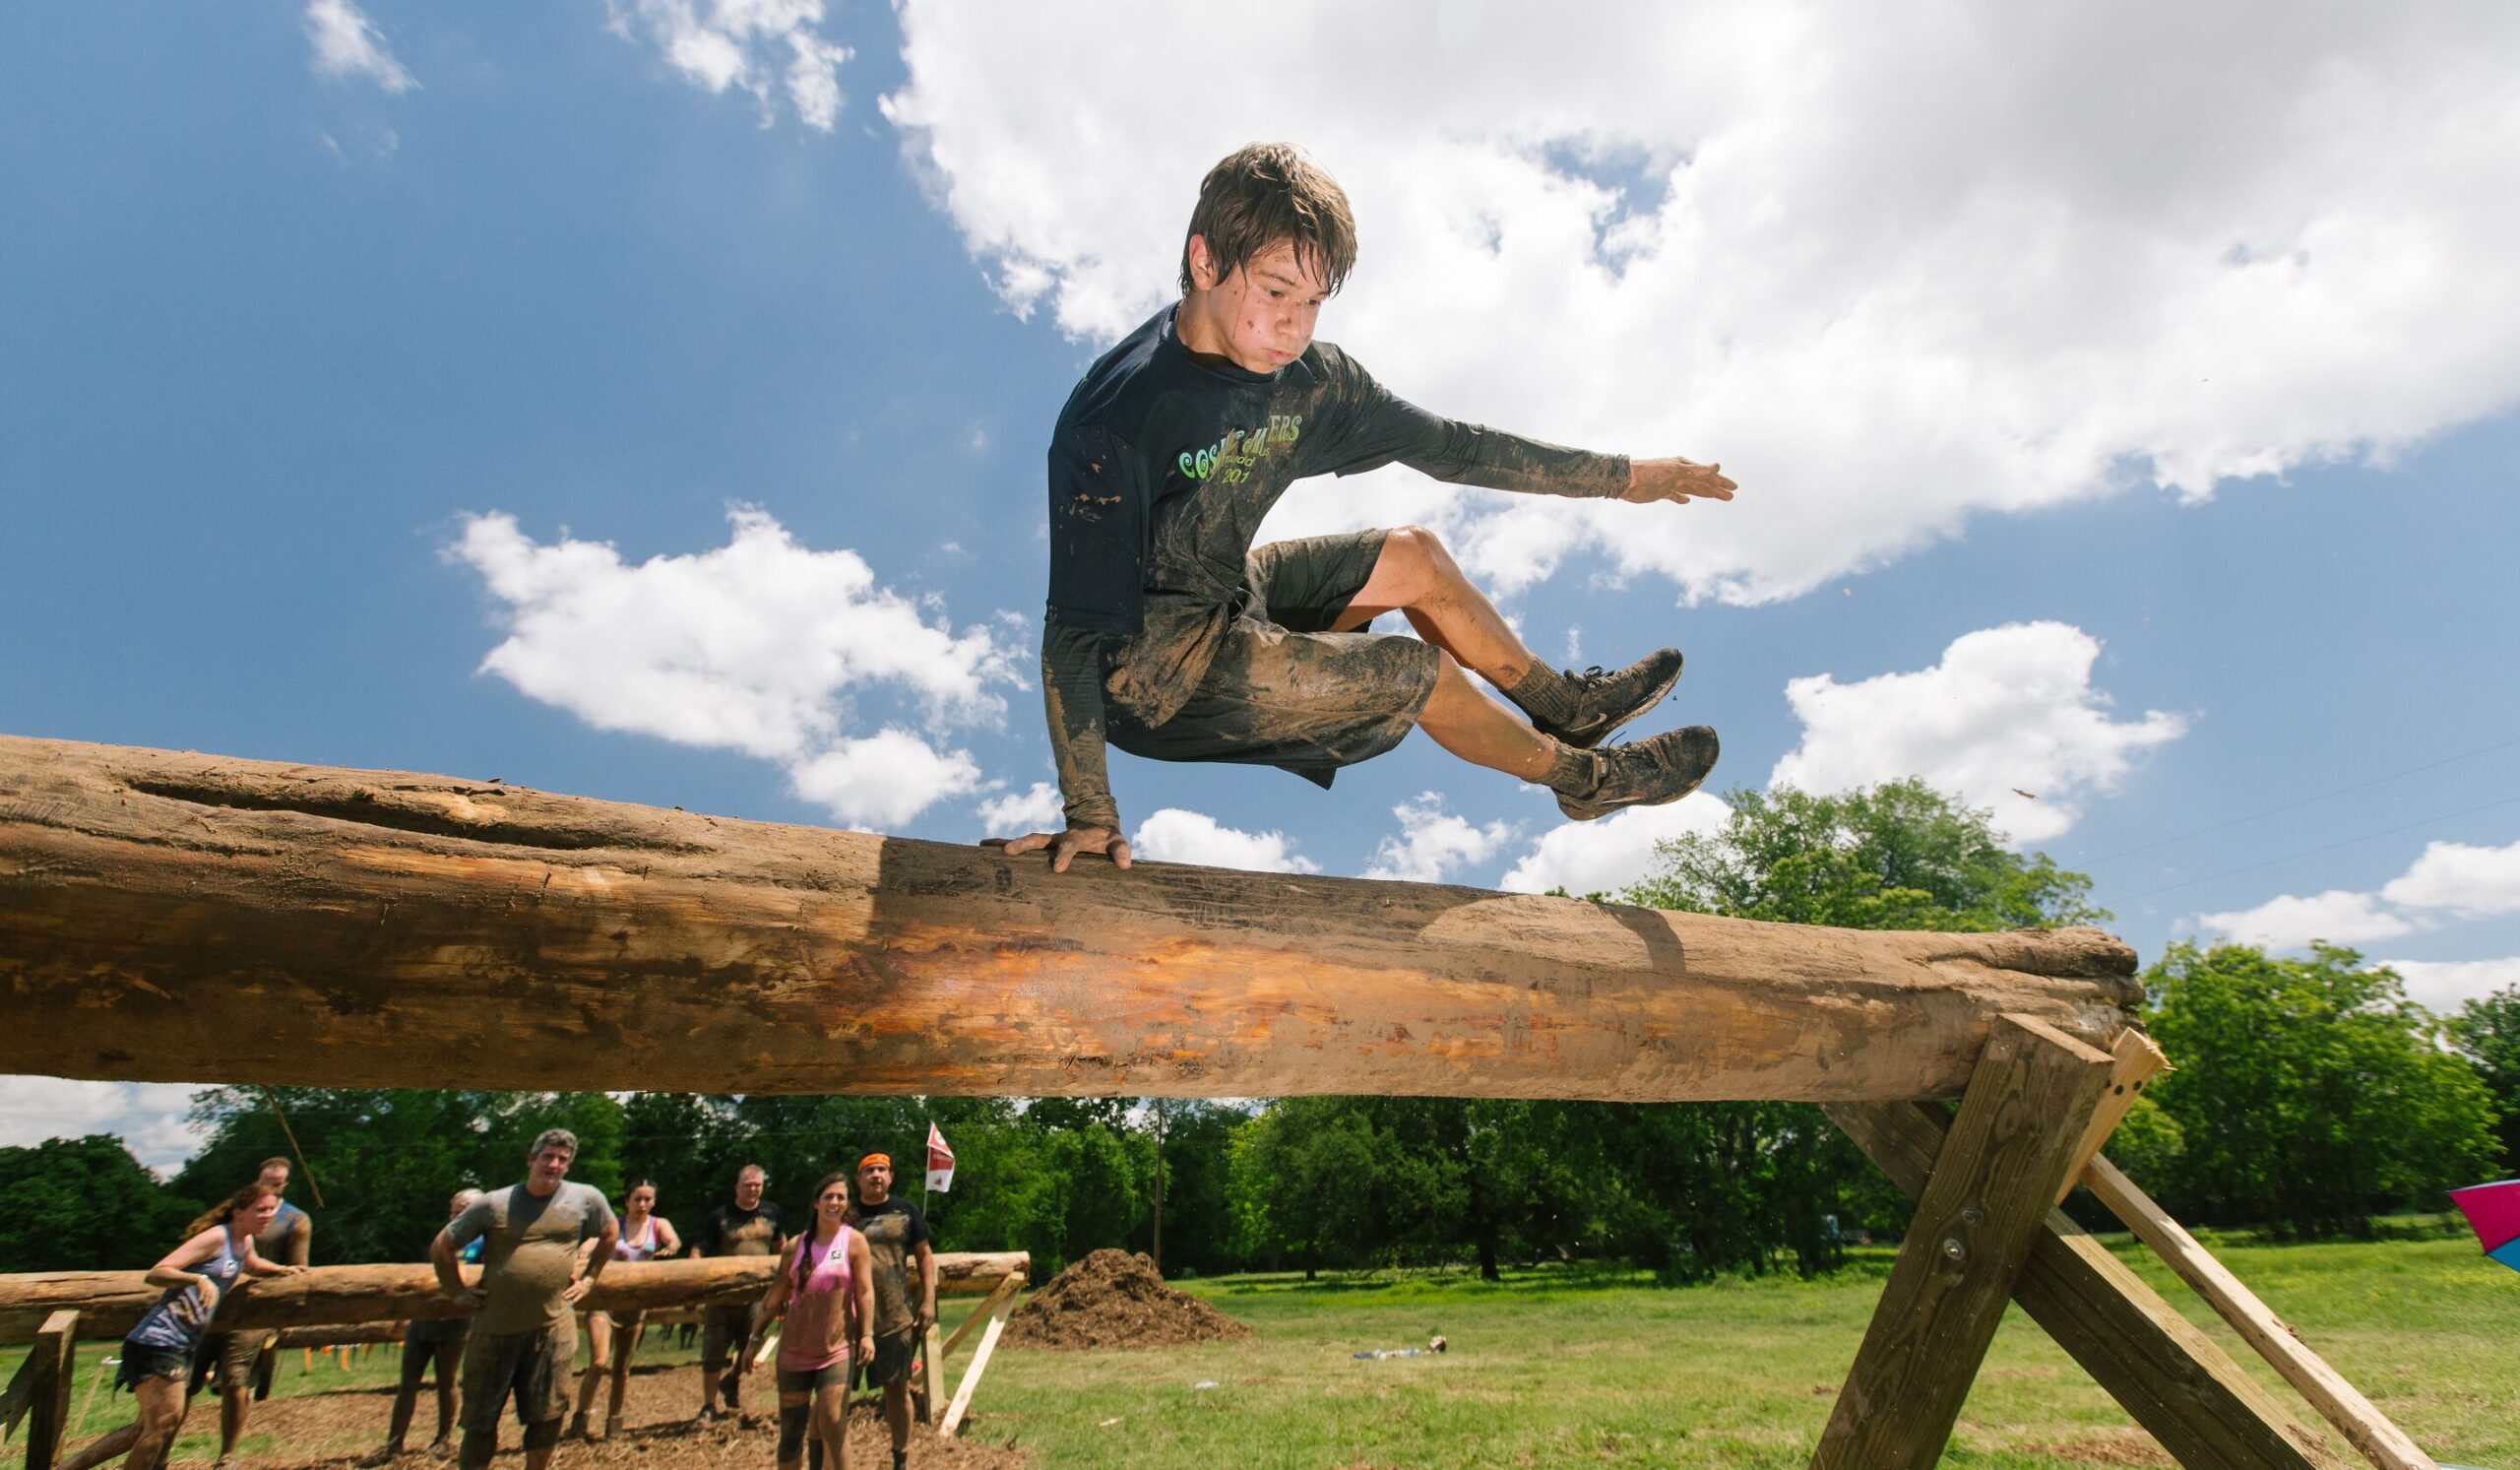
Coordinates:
(940, 1161)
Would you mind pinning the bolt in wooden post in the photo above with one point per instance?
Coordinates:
(2009, 1148)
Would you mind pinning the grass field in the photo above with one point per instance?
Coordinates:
(1557, 1368)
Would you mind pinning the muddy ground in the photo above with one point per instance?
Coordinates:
(336, 1428)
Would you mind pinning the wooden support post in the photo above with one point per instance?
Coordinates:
(2368, 1430)
(1013, 1283)
(980, 1364)
(931, 1377)
(48, 1413)
(2136, 1059)
(18, 1397)
(2009, 1149)
(2171, 1378)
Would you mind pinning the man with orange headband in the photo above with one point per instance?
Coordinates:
(895, 1229)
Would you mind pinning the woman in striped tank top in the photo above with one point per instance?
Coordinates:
(825, 1288)
(158, 1356)
(612, 1338)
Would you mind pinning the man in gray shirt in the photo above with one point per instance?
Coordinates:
(525, 1337)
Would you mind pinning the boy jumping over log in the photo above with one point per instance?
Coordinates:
(1171, 637)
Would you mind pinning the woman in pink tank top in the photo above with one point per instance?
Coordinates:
(825, 1289)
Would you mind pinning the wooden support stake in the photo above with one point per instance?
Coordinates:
(2172, 1379)
(18, 1397)
(932, 1376)
(49, 1416)
(1013, 1283)
(2368, 1430)
(980, 1364)
(2009, 1149)
(2137, 1059)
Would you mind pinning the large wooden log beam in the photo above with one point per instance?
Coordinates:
(185, 917)
(108, 1302)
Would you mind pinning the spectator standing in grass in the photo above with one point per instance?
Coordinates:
(826, 1289)
(172, 1346)
(525, 1337)
(897, 1238)
(612, 1338)
(432, 1345)
(747, 1226)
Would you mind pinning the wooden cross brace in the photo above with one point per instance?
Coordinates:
(1985, 1231)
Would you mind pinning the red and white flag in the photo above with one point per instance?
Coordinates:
(940, 1161)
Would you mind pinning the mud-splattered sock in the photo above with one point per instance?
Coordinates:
(1574, 773)
(1548, 695)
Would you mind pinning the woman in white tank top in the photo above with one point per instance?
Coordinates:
(612, 1338)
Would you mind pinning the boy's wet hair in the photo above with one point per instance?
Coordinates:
(1267, 192)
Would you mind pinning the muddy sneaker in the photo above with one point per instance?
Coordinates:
(1607, 701)
(1647, 773)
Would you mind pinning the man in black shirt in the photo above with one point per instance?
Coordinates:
(747, 1226)
(1169, 635)
(905, 1271)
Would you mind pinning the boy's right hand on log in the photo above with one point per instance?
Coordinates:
(1064, 845)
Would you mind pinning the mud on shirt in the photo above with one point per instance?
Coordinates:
(1161, 468)
(528, 1252)
(894, 1231)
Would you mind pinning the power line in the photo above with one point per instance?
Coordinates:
(2306, 802)
(2331, 847)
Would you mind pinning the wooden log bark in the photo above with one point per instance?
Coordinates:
(2010, 1145)
(108, 1302)
(377, 928)
(2176, 1381)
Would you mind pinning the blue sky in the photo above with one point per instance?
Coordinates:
(2136, 431)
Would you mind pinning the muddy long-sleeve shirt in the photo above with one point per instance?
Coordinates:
(1160, 470)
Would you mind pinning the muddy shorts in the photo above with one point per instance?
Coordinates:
(813, 1380)
(532, 1367)
(237, 1357)
(1280, 689)
(891, 1363)
(140, 1359)
(725, 1328)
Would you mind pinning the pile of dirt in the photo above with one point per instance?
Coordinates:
(1113, 1298)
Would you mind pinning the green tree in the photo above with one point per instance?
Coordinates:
(387, 1159)
(2310, 1094)
(2486, 1031)
(1708, 1188)
(1901, 856)
(84, 1204)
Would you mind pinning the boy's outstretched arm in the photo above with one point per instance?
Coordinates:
(1381, 428)
(1072, 696)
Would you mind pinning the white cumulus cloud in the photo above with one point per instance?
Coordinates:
(149, 1117)
(1613, 853)
(348, 45)
(2451, 880)
(1433, 843)
(2472, 883)
(758, 646)
(2286, 921)
(1173, 833)
(1038, 809)
(2443, 986)
(2007, 711)
(764, 47)
(1894, 269)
